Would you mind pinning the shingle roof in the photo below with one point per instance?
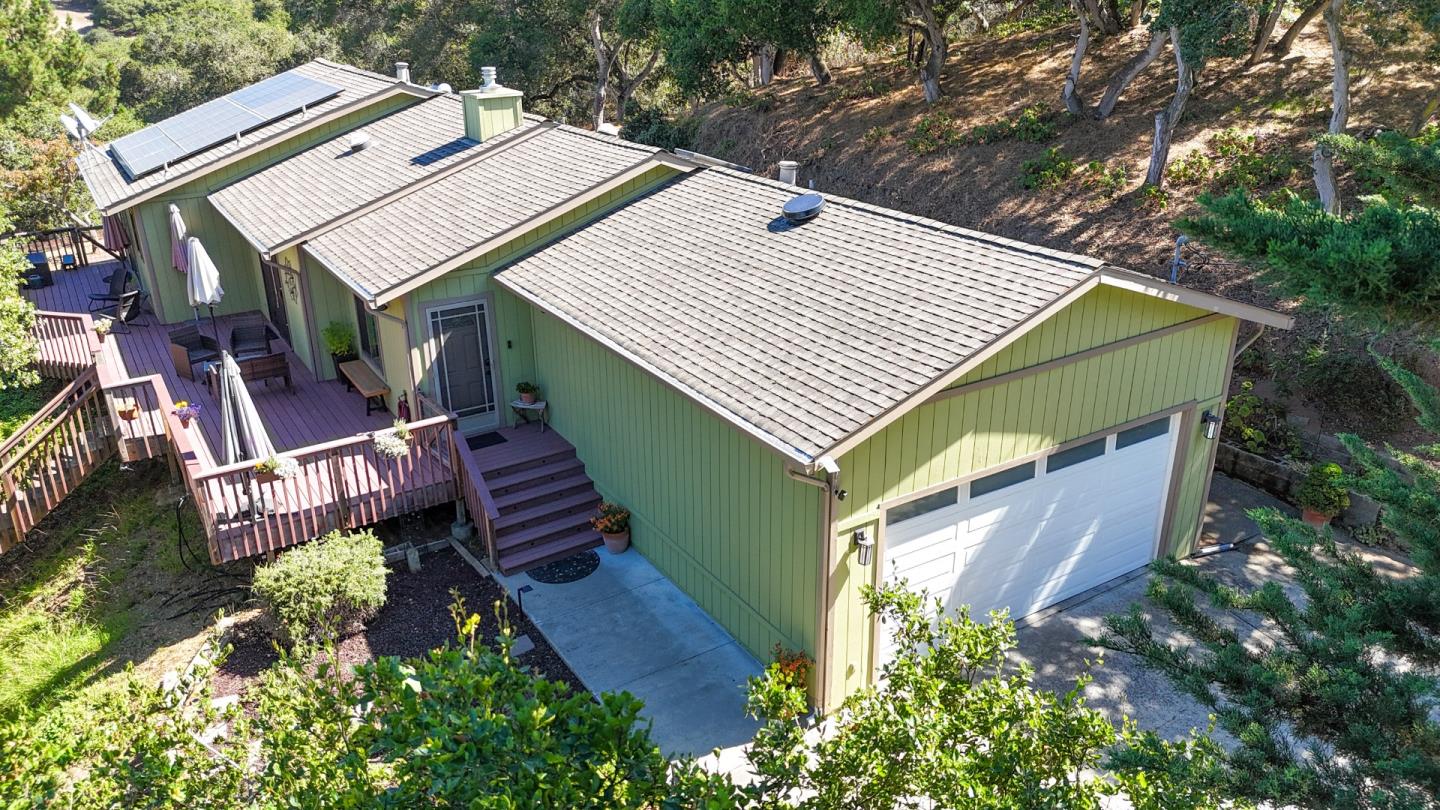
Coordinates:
(329, 180)
(110, 186)
(440, 220)
(804, 333)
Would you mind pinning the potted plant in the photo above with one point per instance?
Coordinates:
(128, 412)
(613, 523)
(102, 328)
(1322, 494)
(340, 342)
(186, 411)
(276, 468)
(528, 391)
(393, 443)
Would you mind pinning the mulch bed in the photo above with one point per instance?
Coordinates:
(416, 618)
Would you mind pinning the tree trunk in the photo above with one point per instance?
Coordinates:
(627, 83)
(1263, 32)
(1129, 71)
(762, 66)
(819, 70)
(1137, 13)
(1167, 119)
(603, 62)
(1071, 92)
(1100, 19)
(1423, 117)
(1112, 10)
(1323, 160)
(935, 47)
(1293, 33)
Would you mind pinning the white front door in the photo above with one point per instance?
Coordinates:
(463, 377)
(1032, 534)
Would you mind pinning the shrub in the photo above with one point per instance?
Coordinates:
(1192, 170)
(322, 588)
(339, 338)
(874, 135)
(1351, 387)
(1099, 176)
(650, 125)
(1034, 124)
(935, 131)
(1048, 171)
(1258, 425)
(1323, 490)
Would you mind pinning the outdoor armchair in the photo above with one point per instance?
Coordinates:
(188, 347)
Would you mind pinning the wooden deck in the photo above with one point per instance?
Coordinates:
(312, 413)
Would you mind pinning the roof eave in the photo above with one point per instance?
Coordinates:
(1113, 276)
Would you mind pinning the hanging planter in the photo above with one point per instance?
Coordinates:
(276, 468)
(393, 443)
(129, 412)
(185, 412)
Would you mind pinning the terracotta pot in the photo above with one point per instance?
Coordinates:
(616, 543)
(1317, 519)
(266, 477)
(185, 421)
(129, 414)
(528, 399)
(102, 336)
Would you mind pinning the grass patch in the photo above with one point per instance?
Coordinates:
(19, 404)
(73, 595)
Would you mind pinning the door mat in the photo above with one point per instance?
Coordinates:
(572, 568)
(485, 440)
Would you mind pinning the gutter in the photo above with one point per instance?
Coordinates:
(829, 485)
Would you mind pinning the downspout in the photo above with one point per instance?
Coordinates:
(1248, 343)
(830, 486)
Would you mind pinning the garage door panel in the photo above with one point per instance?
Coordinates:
(1031, 544)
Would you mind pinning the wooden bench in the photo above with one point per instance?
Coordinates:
(360, 377)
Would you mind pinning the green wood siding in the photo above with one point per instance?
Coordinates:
(295, 295)
(712, 508)
(511, 316)
(331, 302)
(233, 255)
(962, 434)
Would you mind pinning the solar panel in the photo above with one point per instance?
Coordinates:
(214, 122)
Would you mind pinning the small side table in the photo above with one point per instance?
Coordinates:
(523, 410)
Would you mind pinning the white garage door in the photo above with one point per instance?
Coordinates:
(1036, 533)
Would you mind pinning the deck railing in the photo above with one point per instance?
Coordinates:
(342, 484)
(51, 455)
(57, 243)
(474, 493)
(68, 343)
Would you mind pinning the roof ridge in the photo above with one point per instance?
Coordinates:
(914, 219)
(359, 71)
(614, 140)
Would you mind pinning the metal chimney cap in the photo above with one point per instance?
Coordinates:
(487, 78)
(402, 71)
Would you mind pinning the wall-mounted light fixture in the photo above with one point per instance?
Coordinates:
(865, 545)
(1211, 421)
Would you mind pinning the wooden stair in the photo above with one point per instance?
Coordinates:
(544, 499)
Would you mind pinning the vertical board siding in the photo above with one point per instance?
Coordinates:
(233, 254)
(712, 508)
(294, 296)
(332, 302)
(511, 316)
(960, 435)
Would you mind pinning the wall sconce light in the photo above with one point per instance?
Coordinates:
(865, 544)
(1211, 421)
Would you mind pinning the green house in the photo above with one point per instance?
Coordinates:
(791, 407)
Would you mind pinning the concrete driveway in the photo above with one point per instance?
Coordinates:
(625, 627)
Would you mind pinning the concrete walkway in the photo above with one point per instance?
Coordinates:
(627, 628)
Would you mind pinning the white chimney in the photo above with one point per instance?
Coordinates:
(789, 172)
(491, 109)
(402, 71)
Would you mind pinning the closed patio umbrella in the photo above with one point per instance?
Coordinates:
(112, 236)
(202, 284)
(179, 258)
(241, 431)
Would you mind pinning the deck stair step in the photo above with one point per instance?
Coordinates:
(500, 486)
(558, 549)
(582, 503)
(506, 467)
(560, 526)
(543, 492)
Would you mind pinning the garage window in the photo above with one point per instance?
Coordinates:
(921, 506)
(1140, 433)
(1002, 479)
(1075, 455)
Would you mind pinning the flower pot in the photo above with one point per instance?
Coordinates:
(337, 359)
(1317, 519)
(265, 477)
(616, 543)
(129, 414)
(528, 399)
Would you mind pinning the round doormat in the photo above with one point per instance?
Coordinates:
(570, 569)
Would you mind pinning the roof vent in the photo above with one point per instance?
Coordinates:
(803, 208)
(359, 141)
(441, 87)
(402, 71)
(789, 172)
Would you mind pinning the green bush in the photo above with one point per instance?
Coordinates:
(1110, 181)
(1034, 124)
(1258, 425)
(1192, 170)
(339, 338)
(1048, 171)
(935, 131)
(1323, 490)
(1350, 386)
(322, 588)
(650, 125)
